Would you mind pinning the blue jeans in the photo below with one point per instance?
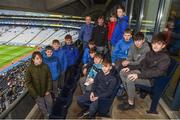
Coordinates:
(85, 102)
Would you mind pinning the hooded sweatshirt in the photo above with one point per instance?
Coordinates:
(136, 55)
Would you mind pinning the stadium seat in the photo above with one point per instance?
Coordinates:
(160, 84)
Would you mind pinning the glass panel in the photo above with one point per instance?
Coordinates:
(149, 17)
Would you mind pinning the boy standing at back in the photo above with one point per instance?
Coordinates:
(155, 64)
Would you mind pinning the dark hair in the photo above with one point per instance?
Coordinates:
(113, 14)
(98, 56)
(48, 48)
(55, 41)
(160, 37)
(92, 51)
(106, 62)
(34, 54)
(68, 36)
(128, 30)
(91, 42)
(101, 17)
(139, 36)
(120, 7)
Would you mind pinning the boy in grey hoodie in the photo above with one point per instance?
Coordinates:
(137, 51)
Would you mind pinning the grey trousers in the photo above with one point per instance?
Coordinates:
(55, 87)
(83, 87)
(130, 85)
(44, 104)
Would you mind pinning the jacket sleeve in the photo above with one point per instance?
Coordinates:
(110, 89)
(85, 56)
(145, 50)
(158, 71)
(64, 62)
(49, 80)
(59, 67)
(81, 33)
(28, 81)
(96, 82)
(130, 53)
(114, 36)
(115, 52)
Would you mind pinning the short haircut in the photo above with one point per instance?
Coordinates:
(139, 36)
(92, 51)
(48, 48)
(68, 36)
(106, 62)
(128, 30)
(55, 41)
(91, 42)
(113, 15)
(160, 37)
(120, 7)
(98, 56)
(34, 54)
(101, 17)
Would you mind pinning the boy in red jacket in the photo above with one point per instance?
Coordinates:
(111, 26)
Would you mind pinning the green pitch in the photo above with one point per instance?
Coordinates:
(12, 53)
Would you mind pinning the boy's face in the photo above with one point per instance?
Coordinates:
(113, 19)
(92, 55)
(91, 46)
(158, 46)
(120, 12)
(88, 20)
(37, 60)
(138, 43)
(49, 53)
(100, 21)
(97, 60)
(127, 36)
(68, 41)
(106, 68)
(56, 46)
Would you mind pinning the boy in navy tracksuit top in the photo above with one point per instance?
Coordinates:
(86, 54)
(54, 67)
(103, 87)
(71, 52)
(59, 53)
(120, 52)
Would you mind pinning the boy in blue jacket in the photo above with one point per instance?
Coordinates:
(71, 52)
(60, 54)
(121, 25)
(54, 67)
(120, 52)
(86, 54)
(103, 87)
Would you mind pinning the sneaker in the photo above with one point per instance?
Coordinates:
(143, 95)
(82, 113)
(126, 106)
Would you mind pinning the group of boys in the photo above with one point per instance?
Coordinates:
(59, 59)
(136, 61)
